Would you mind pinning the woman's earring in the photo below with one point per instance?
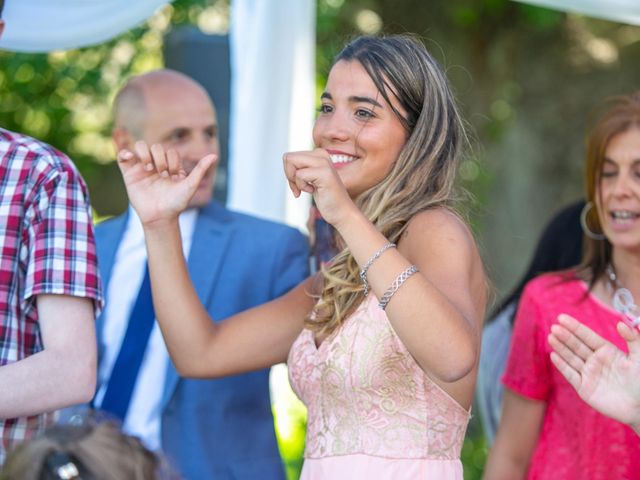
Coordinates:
(585, 227)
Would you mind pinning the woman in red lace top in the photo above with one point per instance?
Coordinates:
(547, 431)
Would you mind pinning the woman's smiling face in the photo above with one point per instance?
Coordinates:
(358, 128)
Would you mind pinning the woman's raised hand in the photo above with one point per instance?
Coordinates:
(602, 374)
(313, 173)
(157, 184)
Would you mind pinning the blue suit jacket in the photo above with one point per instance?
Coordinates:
(223, 428)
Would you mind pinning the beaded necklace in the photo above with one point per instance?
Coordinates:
(623, 300)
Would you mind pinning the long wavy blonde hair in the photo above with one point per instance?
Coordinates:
(423, 175)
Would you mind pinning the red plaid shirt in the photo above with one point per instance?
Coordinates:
(46, 247)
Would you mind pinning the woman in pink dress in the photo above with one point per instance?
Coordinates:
(383, 343)
(547, 431)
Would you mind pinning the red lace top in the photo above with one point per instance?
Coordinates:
(575, 442)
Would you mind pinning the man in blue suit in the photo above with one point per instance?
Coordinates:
(208, 429)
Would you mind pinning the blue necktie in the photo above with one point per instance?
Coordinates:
(125, 370)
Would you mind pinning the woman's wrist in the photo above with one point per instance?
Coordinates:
(160, 226)
(351, 220)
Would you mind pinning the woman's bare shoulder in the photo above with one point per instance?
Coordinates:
(440, 224)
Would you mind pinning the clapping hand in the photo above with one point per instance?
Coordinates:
(158, 186)
(602, 374)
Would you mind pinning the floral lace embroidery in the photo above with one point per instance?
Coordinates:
(366, 394)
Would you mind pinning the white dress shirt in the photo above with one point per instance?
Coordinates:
(144, 413)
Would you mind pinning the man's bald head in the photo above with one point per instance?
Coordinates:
(168, 108)
(136, 100)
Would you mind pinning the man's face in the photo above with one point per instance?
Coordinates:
(181, 117)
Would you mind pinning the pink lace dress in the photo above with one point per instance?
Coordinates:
(575, 442)
(372, 412)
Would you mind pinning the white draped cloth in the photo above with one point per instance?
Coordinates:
(45, 25)
(272, 103)
(625, 11)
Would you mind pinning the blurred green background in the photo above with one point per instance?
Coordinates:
(527, 80)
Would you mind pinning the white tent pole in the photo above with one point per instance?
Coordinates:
(272, 103)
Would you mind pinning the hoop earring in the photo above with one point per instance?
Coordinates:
(583, 223)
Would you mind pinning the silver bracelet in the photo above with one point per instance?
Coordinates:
(397, 283)
(374, 257)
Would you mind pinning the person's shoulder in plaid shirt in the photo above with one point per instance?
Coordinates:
(50, 289)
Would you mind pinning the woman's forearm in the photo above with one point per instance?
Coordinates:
(429, 322)
(185, 324)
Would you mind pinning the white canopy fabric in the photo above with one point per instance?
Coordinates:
(272, 103)
(46, 25)
(625, 11)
